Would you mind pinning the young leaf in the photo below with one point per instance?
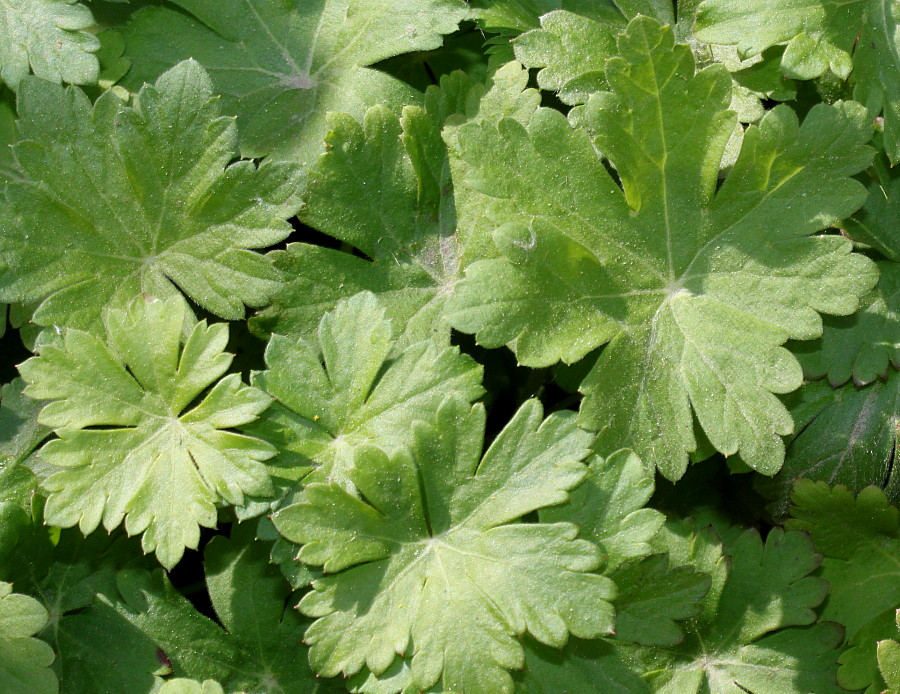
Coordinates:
(695, 289)
(352, 387)
(47, 37)
(131, 445)
(184, 686)
(740, 642)
(860, 538)
(280, 65)
(426, 559)
(24, 661)
(124, 200)
(889, 662)
(857, 35)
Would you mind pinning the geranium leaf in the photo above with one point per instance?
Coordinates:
(427, 557)
(281, 66)
(24, 661)
(142, 198)
(858, 36)
(694, 288)
(130, 443)
(47, 37)
(353, 385)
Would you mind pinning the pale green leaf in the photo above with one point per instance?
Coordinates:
(889, 662)
(608, 508)
(281, 65)
(48, 38)
(695, 288)
(131, 443)
(352, 386)
(427, 562)
(185, 686)
(129, 199)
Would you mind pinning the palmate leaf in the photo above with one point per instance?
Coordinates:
(20, 434)
(353, 385)
(130, 444)
(142, 198)
(694, 288)
(427, 563)
(255, 647)
(860, 538)
(280, 65)
(842, 36)
(889, 662)
(749, 637)
(47, 37)
(74, 577)
(24, 661)
(384, 188)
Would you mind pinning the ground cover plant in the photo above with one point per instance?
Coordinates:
(472, 347)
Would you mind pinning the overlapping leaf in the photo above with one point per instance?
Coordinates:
(695, 289)
(352, 386)
(20, 434)
(282, 65)
(256, 648)
(74, 578)
(131, 444)
(861, 36)
(750, 635)
(384, 188)
(129, 199)
(48, 38)
(889, 662)
(849, 437)
(427, 562)
(860, 538)
(24, 661)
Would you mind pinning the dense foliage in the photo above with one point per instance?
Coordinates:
(449, 346)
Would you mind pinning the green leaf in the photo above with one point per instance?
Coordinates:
(74, 577)
(20, 434)
(140, 199)
(47, 37)
(740, 642)
(889, 662)
(694, 288)
(851, 441)
(184, 686)
(131, 445)
(652, 596)
(428, 562)
(875, 223)
(280, 65)
(860, 538)
(560, 49)
(9, 167)
(24, 661)
(608, 508)
(383, 188)
(256, 646)
(859, 663)
(857, 35)
(351, 387)
(585, 667)
(863, 346)
(521, 15)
